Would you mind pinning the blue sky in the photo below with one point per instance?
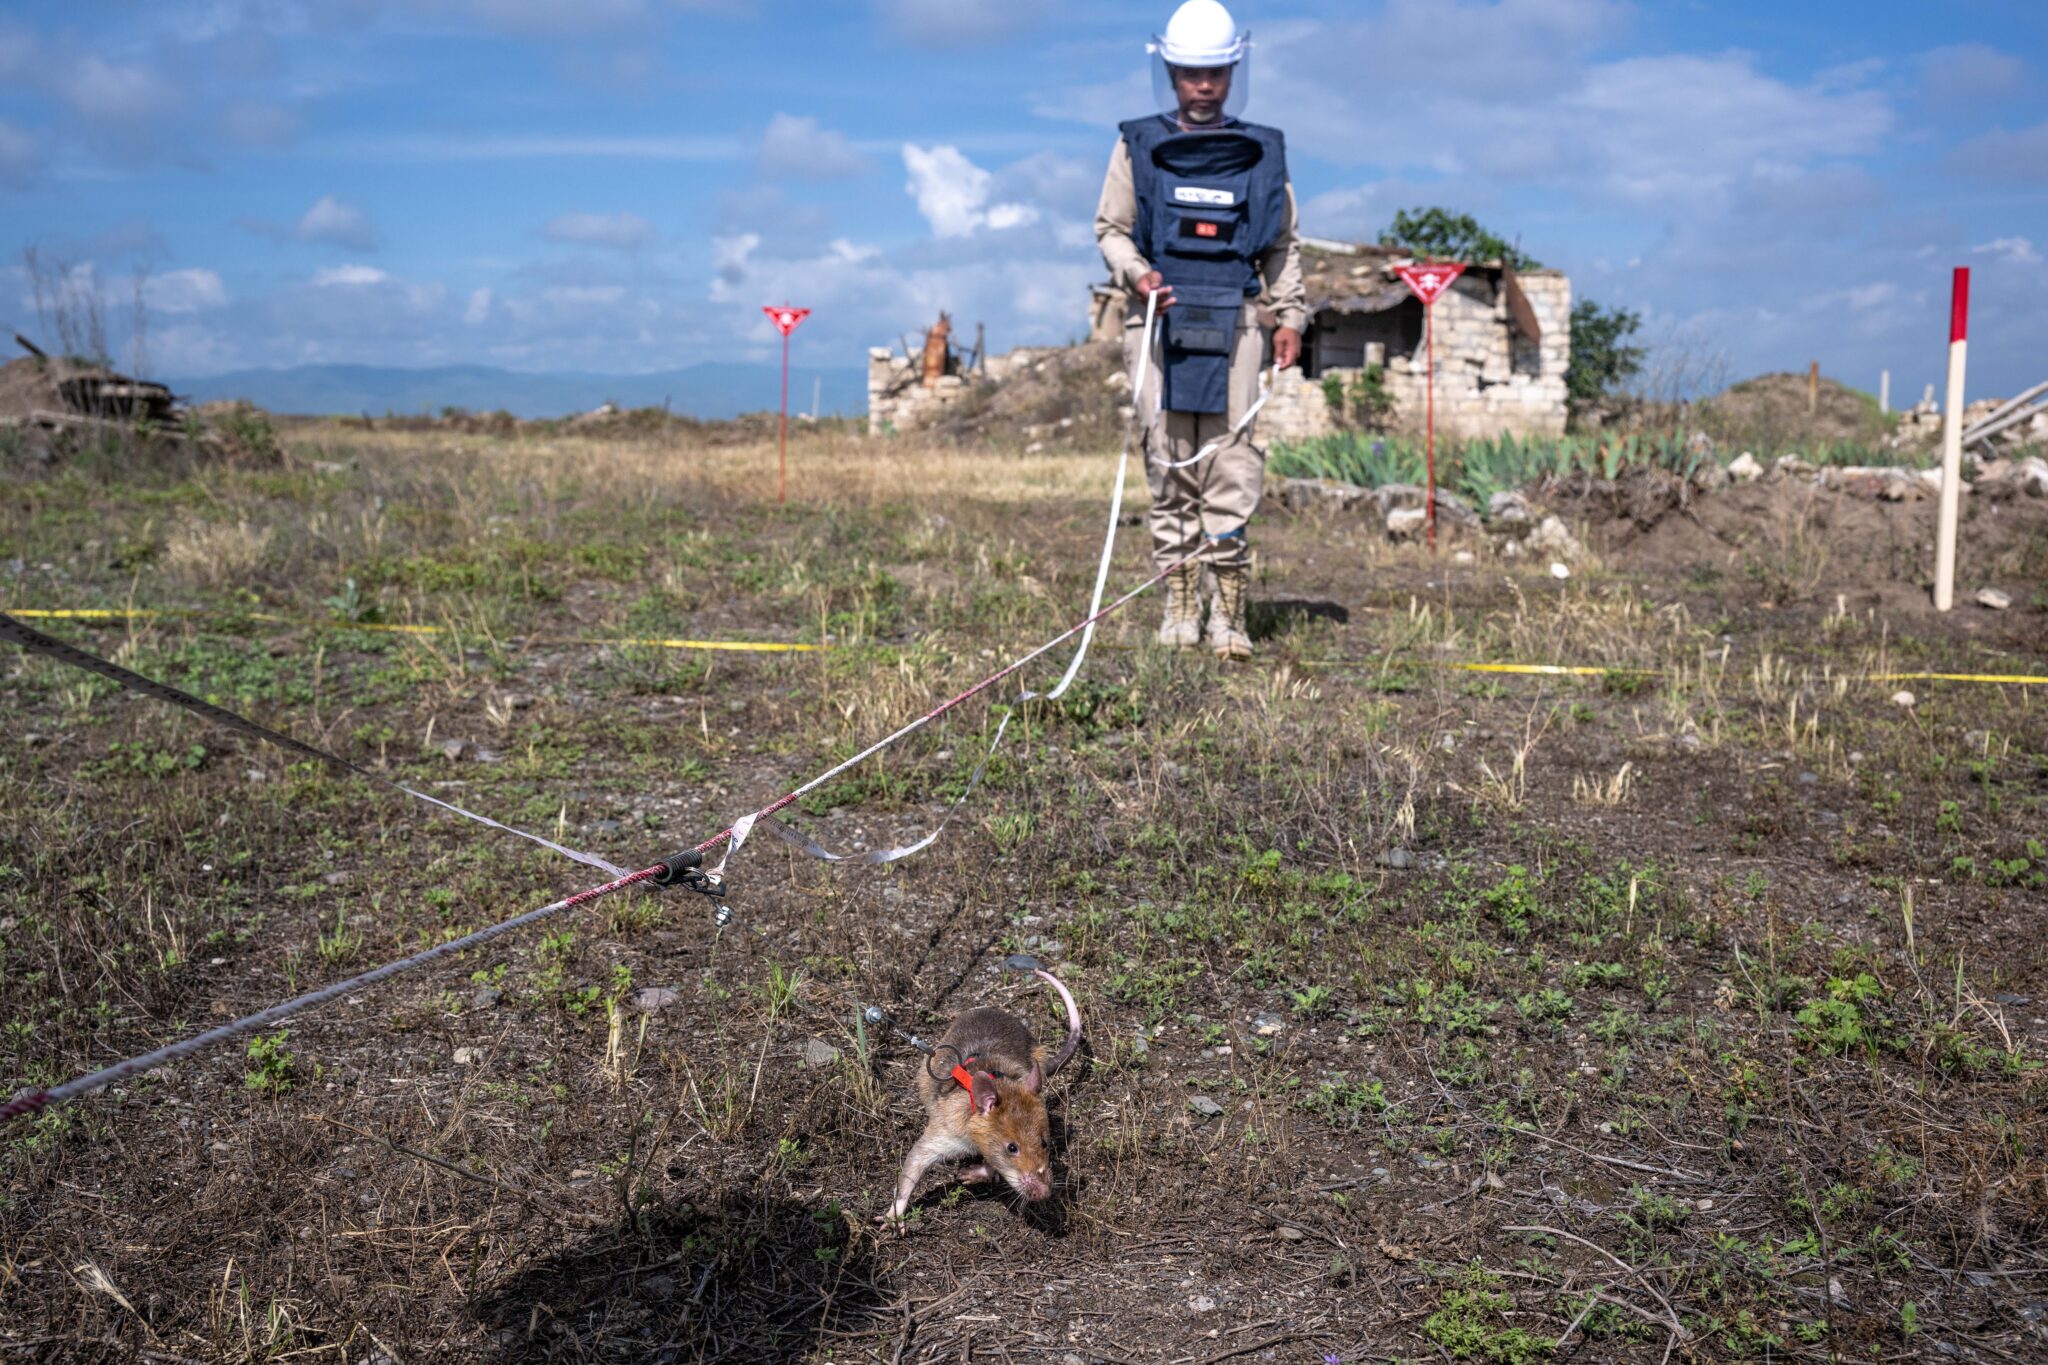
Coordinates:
(618, 185)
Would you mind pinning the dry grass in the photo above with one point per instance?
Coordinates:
(211, 554)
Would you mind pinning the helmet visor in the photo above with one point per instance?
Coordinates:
(1200, 94)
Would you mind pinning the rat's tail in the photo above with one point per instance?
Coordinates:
(1059, 1059)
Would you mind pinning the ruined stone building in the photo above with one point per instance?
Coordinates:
(1503, 340)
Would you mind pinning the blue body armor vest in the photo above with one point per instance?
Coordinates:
(1210, 203)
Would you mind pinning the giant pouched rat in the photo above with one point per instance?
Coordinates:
(989, 1103)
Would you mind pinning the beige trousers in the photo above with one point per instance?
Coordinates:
(1205, 507)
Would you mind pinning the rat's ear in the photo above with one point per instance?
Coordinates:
(983, 1095)
(1034, 1079)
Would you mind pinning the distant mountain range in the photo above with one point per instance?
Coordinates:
(709, 390)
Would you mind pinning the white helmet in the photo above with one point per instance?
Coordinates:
(1201, 34)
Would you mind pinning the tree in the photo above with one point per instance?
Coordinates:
(1602, 360)
(1440, 235)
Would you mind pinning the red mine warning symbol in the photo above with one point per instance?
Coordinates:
(786, 317)
(1430, 278)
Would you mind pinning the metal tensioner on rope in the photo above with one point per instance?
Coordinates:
(686, 870)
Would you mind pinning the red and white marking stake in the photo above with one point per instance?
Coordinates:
(786, 319)
(1952, 444)
(1428, 281)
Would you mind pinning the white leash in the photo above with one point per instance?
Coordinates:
(807, 846)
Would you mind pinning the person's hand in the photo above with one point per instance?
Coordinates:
(1152, 282)
(1286, 347)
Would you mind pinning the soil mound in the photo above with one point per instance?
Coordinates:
(1769, 414)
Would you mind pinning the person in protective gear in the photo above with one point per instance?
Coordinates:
(1197, 214)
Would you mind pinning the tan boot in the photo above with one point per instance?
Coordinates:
(1227, 634)
(1182, 628)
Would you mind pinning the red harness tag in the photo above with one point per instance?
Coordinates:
(1205, 229)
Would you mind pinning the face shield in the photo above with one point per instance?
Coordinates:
(1208, 89)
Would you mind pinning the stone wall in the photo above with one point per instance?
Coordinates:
(897, 397)
(1489, 378)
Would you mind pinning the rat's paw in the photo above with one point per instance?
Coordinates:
(893, 1219)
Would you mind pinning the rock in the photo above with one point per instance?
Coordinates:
(1455, 510)
(1709, 476)
(1932, 479)
(337, 878)
(1744, 468)
(469, 1056)
(818, 1052)
(1302, 495)
(1792, 467)
(648, 999)
(1899, 488)
(1464, 557)
(2033, 476)
(1406, 523)
(1389, 496)
(1508, 509)
(1201, 1303)
(1993, 598)
(1206, 1107)
(604, 826)
(658, 1287)
(1903, 698)
(1268, 1025)
(1551, 537)
(454, 749)
(1400, 859)
(1559, 570)
(1141, 1046)
(486, 997)
(1289, 1234)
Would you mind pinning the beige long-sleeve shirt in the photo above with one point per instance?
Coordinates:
(1281, 291)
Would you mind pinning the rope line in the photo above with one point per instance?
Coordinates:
(387, 628)
(35, 642)
(32, 1101)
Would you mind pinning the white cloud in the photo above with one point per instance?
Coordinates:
(333, 221)
(584, 295)
(1970, 74)
(958, 23)
(103, 92)
(729, 258)
(799, 148)
(618, 231)
(951, 192)
(20, 156)
(184, 291)
(536, 146)
(349, 276)
(329, 220)
(479, 308)
(2011, 250)
(2005, 156)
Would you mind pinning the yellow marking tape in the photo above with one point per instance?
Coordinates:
(1589, 671)
(2024, 679)
(781, 647)
(1569, 670)
(146, 614)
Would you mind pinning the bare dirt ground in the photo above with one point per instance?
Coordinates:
(1692, 1010)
